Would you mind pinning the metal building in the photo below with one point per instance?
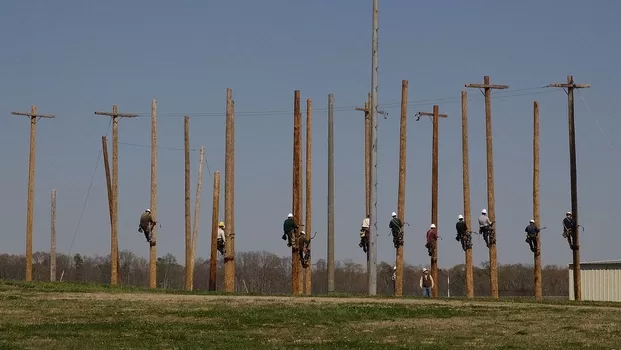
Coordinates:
(600, 280)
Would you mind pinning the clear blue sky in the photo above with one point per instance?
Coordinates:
(72, 58)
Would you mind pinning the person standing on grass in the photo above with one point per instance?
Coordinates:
(426, 283)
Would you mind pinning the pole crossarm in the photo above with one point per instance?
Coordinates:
(574, 86)
(121, 115)
(487, 86)
(34, 114)
(428, 114)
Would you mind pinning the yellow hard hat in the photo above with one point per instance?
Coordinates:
(221, 224)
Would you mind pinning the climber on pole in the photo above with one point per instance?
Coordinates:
(532, 234)
(396, 227)
(432, 239)
(288, 226)
(485, 227)
(364, 234)
(146, 225)
(221, 238)
(569, 229)
(463, 235)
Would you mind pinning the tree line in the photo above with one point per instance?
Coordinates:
(266, 273)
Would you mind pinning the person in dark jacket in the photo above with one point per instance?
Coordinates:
(532, 234)
(396, 227)
(569, 228)
(463, 235)
(432, 239)
(288, 226)
(146, 224)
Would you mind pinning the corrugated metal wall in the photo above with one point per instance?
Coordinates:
(600, 282)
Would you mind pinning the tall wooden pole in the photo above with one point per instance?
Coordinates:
(229, 263)
(493, 261)
(570, 86)
(466, 188)
(153, 201)
(367, 157)
(30, 204)
(215, 216)
(330, 193)
(53, 238)
(434, 190)
(402, 177)
(197, 212)
(114, 242)
(309, 191)
(297, 174)
(536, 217)
(31, 179)
(434, 202)
(188, 223)
(374, 140)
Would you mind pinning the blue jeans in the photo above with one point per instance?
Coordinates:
(427, 292)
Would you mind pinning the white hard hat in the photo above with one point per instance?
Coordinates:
(394, 214)
(433, 226)
(148, 210)
(532, 221)
(484, 211)
(394, 267)
(302, 233)
(290, 215)
(425, 270)
(460, 217)
(568, 213)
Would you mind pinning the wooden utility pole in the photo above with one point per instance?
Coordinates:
(309, 192)
(215, 216)
(570, 86)
(297, 183)
(53, 238)
(188, 215)
(434, 190)
(466, 188)
(197, 212)
(330, 193)
(229, 193)
(493, 262)
(536, 217)
(402, 172)
(372, 280)
(368, 167)
(34, 116)
(153, 201)
(114, 245)
(104, 150)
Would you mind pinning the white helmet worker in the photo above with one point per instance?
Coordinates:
(425, 270)
(394, 214)
(568, 213)
(484, 211)
(148, 210)
(432, 226)
(290, 215)
(302, 232)
(532, 221)
(460, 217)
(394, 267)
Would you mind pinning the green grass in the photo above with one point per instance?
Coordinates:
(86, 316)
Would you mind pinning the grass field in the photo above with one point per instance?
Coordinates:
(75, 316)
